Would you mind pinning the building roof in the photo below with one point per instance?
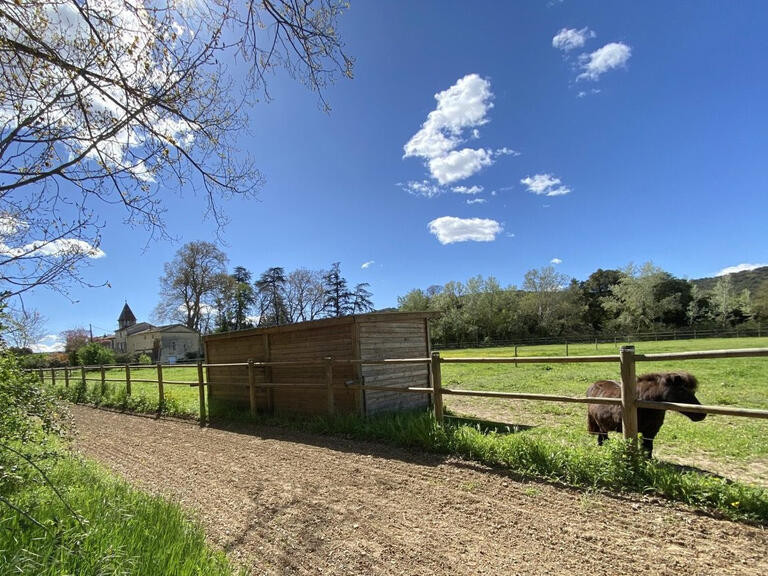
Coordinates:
(127, 314)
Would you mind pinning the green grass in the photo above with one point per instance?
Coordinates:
(120, 530)
(731, 382)
(181, 400)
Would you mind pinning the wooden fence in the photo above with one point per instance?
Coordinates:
(627, 360)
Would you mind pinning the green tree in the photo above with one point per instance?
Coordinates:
(95, 354)
(635, 299)
(235, 301)
(594, 290)
(415, 300)
(699, 310)
(544, 299)
(270, 289)
(760, 302)
(362, 299)
(338, 297)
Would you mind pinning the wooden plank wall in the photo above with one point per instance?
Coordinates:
(310, 345)
(382, 340)
(229, 383)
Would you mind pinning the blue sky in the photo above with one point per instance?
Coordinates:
(653, 116)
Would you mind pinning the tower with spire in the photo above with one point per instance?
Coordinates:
(127, 318)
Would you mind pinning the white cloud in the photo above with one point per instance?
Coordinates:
(506, 152)
(449, 229)
(421, 188)
(569, 38)
(460, 110)
(545, 184)
(476, 201)
(367, 265)
(49, 343)
(602, 60)
(463, 105)
(739, 268)
(555, 261)
(459, 164)
(60, 247)
(468, 190)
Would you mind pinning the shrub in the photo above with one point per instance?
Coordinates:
(94, 354)
(144, 359)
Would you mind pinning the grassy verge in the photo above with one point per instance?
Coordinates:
(102, 526)
(178, 401)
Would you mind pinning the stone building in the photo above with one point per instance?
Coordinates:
(166, 344)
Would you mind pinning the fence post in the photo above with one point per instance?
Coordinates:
(566, 348)
(66, 376)
(201, 391)
(628, 393)
(329, 382)
(437, 387)
(160, 394)
(53, 376)
(128, 379)
(41, 374)
(103, 380)
(515, 355)
(82, 376)
(252, 387)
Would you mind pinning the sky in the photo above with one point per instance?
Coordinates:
(491, 139)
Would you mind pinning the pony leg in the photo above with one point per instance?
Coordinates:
(648, 446)
(601, 437)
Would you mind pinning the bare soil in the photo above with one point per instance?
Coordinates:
(282, 502)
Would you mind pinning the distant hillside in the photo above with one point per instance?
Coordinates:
(748, 279)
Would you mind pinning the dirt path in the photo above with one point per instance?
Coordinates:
(288, 503)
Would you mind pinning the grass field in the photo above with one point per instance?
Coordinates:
(724, 444)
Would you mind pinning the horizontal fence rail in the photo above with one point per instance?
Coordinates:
(627, 360)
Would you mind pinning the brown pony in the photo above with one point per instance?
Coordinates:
(664, 387)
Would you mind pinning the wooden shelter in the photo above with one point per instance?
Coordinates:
(300, 362)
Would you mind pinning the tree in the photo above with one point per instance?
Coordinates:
(414, 301)
(190, 284)
(23, 327)
(304, 295)
(723, 299)
(760, 302)
(118, 102)
(74, 339)
(699, 310)
(544, 287)
(638, 302)
(361, 299)
(235, 301)
(94, 354)
(338, 297)
(594, 289)
(270, 288)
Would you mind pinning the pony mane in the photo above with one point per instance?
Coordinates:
(672, 379)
